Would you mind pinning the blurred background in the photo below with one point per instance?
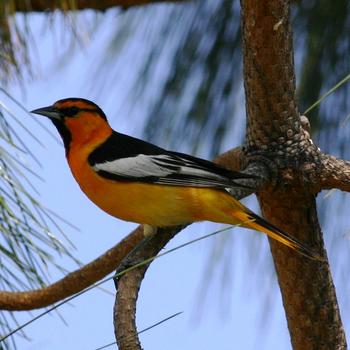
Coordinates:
(170, 74)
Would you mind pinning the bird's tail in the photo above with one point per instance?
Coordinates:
(256, 222)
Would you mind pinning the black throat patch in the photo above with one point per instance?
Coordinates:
(64, 132)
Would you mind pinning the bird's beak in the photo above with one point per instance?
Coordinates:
(50, 112)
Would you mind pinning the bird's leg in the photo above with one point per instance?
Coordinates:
(149, 231)
(133, 258)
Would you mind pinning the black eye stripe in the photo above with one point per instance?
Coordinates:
(72, 111)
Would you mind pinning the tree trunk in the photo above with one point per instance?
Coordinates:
(274, 131)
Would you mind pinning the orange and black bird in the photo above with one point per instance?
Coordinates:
(136, 181)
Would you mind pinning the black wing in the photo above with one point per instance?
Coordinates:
(124, 157)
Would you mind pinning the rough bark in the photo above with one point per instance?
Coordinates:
(308, 292)
(128, 287)
(274, 130)
(335, 173)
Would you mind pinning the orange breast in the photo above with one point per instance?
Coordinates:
(151, 204)
(156, 205)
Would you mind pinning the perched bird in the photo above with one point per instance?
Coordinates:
(137, 181)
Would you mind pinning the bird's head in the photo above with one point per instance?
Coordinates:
(76, 118)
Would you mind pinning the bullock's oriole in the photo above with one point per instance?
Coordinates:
(137, 181)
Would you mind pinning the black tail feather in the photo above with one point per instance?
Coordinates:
(294, 243)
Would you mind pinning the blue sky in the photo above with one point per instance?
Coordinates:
(239, 306)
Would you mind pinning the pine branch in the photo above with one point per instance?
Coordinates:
(335, 173)
(75, 281)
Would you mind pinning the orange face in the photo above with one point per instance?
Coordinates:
(85, 122)
(77, 120)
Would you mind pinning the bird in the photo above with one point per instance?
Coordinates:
(137, 181)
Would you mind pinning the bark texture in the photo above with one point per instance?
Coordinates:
(128, 287)
(275, 131)
(335, 173)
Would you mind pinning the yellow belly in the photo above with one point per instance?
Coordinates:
(147, 204)
(152, 204)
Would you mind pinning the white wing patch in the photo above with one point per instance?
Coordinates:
(165, 169)
(158, 166)
(139, 166)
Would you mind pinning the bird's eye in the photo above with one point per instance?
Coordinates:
(71, 111)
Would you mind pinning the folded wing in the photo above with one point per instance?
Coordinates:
(144, 162)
